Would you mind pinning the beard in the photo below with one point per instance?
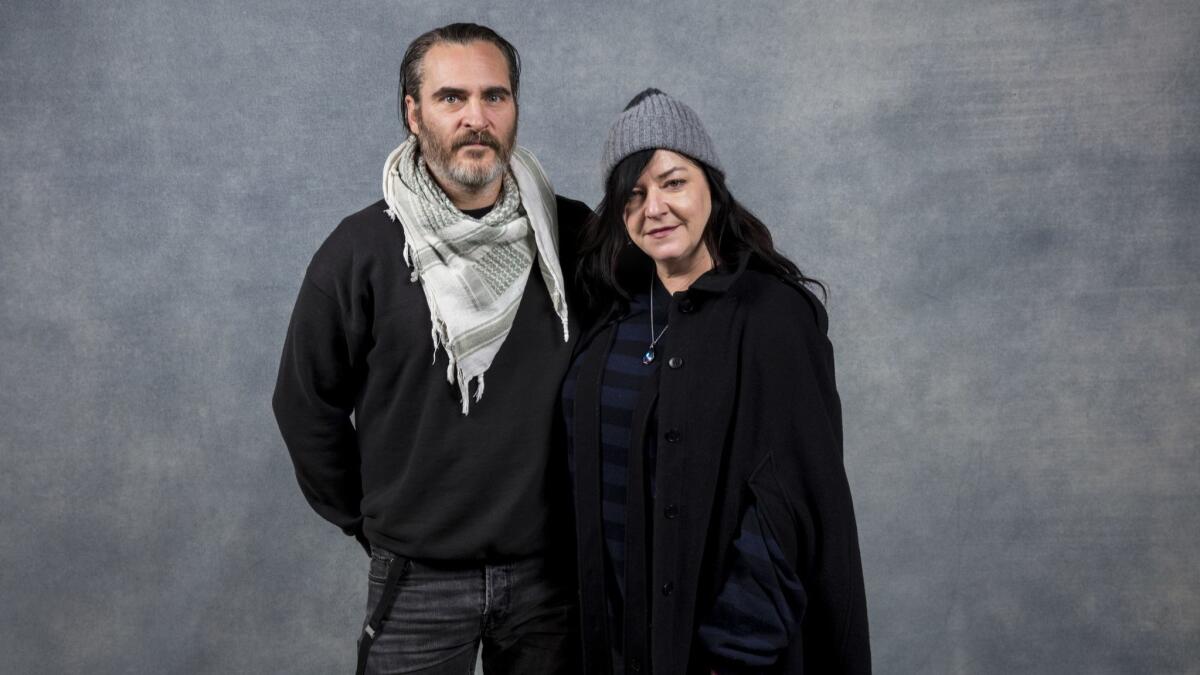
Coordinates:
(441, 154)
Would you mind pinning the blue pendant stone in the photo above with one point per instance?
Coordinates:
(648, 357)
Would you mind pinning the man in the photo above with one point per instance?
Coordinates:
(460, 272)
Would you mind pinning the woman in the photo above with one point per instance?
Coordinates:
(716, 532)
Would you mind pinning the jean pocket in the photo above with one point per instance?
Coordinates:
(381, 562)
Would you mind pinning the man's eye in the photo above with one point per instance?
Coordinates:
(450, 98)
(495, 98)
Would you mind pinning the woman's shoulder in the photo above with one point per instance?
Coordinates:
(775, 302)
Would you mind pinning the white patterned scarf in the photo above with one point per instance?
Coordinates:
(473, 272)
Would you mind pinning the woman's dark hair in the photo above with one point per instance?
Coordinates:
(607, 258)
(455, 33)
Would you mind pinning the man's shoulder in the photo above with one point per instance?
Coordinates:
(572, 213)
(367, 219)
(357, 236)
(365, 226)
(572, 216)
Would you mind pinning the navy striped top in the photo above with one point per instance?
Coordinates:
(757, 609)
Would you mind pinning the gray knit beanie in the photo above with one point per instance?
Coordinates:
(655, 120)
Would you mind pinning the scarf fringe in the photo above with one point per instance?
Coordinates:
(415, 274)
(464, 389)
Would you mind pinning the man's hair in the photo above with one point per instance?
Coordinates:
(457, 33)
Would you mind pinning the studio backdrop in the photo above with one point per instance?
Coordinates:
(1002, 197)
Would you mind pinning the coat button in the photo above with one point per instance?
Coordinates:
(686, 305)
(635, 665)
(675, 362)
(671, 511)
(668, 588)
(673, 436)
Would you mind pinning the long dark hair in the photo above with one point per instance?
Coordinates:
(608, 260)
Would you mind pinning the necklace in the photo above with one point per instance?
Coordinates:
(648, 357)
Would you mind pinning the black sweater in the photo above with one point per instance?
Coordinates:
(411, 473)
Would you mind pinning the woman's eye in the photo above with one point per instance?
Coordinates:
(675, 182)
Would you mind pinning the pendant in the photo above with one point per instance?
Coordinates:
(648, 357)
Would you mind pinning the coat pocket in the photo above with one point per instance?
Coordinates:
(776, 507)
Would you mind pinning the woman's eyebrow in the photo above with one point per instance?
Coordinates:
(668, 172)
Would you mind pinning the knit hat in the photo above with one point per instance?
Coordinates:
(655, 120)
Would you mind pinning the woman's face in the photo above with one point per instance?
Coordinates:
(667, 211)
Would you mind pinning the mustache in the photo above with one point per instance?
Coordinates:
(479, 138)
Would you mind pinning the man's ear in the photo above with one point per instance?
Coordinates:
(410, 107)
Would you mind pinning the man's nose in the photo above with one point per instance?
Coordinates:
(473, 116)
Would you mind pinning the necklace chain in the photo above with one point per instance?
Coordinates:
(648, 357)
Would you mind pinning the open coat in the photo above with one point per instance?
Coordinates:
(747, 412)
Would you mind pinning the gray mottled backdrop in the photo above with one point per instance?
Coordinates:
(1004, 198)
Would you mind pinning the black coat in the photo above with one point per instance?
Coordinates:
(747, 411)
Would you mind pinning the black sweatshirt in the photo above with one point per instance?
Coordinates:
(412, 473)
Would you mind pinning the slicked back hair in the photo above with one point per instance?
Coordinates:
(455, 33)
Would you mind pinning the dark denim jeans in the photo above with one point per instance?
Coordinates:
(524, 613)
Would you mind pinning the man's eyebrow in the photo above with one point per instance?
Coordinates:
(668, 172)
(449, 91)
(497, 90)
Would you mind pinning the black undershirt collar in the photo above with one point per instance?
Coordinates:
(478, 214)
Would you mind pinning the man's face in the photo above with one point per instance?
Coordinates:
(466, 118)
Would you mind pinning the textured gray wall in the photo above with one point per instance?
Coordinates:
(1003, 196)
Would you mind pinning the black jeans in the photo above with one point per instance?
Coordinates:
(523, 612)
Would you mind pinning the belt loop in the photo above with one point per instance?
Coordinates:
(391, 588)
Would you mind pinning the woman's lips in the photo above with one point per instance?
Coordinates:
(660, 232)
